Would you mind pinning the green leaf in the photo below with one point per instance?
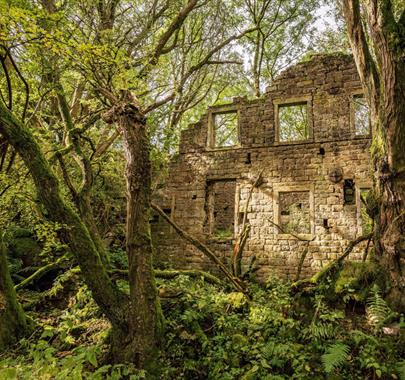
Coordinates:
(91, 357)
(335, 356)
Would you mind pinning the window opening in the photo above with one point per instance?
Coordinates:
(293, 122)
(361, 116)
(220, 208)
(349, 192)
(294, 209)
(225, 129)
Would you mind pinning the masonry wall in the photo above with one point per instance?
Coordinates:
(316, 169)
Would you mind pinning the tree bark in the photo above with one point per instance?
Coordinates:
(383, 79)
(13, 323)
(74, 233)
(145, 323)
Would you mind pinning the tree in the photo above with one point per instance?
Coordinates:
(279, 38)
(13, 322)
(116, 62)
(376, 30)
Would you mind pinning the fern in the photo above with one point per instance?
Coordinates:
(360, 337)
(335, 356)
(378, 312)
(321, 330)
(401, 369)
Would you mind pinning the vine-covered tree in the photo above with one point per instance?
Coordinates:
(376, 31)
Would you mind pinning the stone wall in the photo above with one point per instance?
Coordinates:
(312, 172)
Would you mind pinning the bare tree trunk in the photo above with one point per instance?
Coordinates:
(383, 79)
(13, 323)
(145, 322)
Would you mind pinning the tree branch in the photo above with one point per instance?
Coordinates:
(172, 28)
(202, 248)
(362, 56)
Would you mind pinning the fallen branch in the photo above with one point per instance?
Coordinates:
(338, 262)
(365, 254)
(245, 229)
(203, 248)
(352, 244)
(172, 273)
(251, 268)
(301, 263)
(39, 273)
(333, 266)
(238, 250)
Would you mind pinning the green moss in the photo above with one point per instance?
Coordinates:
(329, 270)
(355, 279)
(13, 323)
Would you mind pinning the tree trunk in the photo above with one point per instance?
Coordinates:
(74, 233)
(136, 322)
(383, 79)
(13, 324)
(86, 214)
(390, 185)
(145, 322)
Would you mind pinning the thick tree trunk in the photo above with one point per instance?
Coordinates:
(74, 233)
(383, 79)
(390, 169)
(143, 338)
(13, 323)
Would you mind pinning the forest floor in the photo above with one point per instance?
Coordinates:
(215, 333)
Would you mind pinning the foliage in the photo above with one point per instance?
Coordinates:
(215, 334)
(355, 280)
(378, 311)
(335, 355)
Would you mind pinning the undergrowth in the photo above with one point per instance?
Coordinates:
(216, 334)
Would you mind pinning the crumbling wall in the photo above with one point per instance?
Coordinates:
(313, 171)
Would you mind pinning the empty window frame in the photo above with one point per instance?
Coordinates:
(295, 212)
(220, 208)
(360, 115)
(292, 121)
(224, 129)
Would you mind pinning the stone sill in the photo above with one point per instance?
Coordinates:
(290, 237)
(225, 148)
(307, 141)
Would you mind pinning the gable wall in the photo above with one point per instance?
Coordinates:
(329, 83)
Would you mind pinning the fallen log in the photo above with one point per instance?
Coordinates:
(172, 273)
(39, 273)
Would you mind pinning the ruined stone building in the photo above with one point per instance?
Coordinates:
(309, 136)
